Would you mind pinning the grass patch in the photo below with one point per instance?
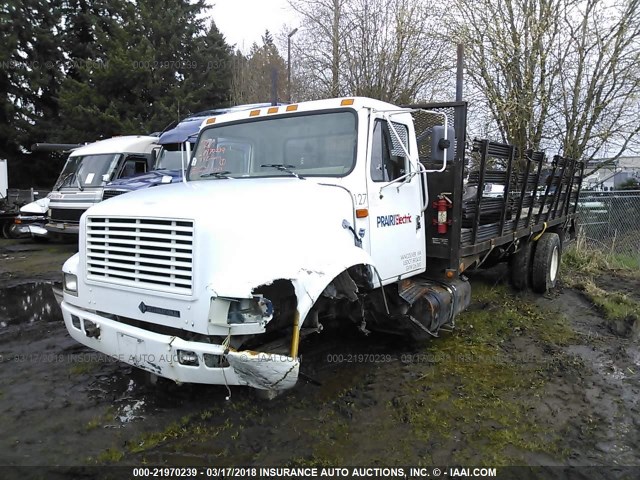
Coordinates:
(111, 455)
(93, 424)
(582, 260)
(481, 391)
(188, 426)
(96, 422)
(627, 262)
(615, 306)
(498, 314)
(191, 427)
(83, 368)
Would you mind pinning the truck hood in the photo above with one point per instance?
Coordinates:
(250, 232)
(39, 207)
(145, 180)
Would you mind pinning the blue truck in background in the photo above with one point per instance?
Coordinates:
(171, 153)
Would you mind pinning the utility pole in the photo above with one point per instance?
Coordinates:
(291, 34)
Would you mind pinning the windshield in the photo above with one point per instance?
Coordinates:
(87, 170)
(170, 157)
(310, 145)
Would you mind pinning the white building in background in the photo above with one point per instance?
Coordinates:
(613, 175)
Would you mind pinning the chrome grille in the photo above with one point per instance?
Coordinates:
(147, 253)
(70, 215)
(112, 193)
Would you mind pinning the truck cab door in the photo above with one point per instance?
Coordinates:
(396, 224)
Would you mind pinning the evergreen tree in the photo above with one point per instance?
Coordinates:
(80, 70)
(30, 73)
(158, 67)
(254, 74)
(208, 84)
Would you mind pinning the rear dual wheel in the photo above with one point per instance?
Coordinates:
(520, 267)
(537, 265)
(546, 263)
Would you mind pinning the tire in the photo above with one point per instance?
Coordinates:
(546, 262)
(6, 229)
(520, 267)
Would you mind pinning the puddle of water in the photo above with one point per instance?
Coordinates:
(28, 304)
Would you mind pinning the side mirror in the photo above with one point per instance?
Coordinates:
(439, 144)
(155, 152)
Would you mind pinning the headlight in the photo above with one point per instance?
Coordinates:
(250, 310)
(70, 283)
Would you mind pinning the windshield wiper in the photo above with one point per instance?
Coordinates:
(79, 183)
(62, 180)
(284, 168)
(215, 174)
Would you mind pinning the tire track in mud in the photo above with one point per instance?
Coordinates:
(603, 407)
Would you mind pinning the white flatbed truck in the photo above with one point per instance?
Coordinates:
(351, 209)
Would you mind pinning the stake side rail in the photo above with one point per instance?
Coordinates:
(516, 196)
(498, 194)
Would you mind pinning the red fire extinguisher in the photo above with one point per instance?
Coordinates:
(442, 205)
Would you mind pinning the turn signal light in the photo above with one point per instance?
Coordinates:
(362, 213)
(186, 357)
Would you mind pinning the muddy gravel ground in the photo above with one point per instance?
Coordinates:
(521, 380)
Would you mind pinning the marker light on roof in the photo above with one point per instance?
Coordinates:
(273, 110)
(254, 113)
(211, 120)
(292, 108)
(346, 101)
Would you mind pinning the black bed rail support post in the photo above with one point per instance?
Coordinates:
(541, 159)
(507, 186)
(523, 189)
(484, 152)
(559, 184)
(546, 192)
(567, 198)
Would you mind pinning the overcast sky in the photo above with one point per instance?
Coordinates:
(243, 22)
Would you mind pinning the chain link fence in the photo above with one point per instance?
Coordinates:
(610, 222)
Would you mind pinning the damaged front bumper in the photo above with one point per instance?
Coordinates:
(177, 359)
(32, 225)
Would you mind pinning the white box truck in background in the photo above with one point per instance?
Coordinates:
(88, 169)
(4, 179)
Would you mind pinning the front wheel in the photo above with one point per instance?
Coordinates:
(546, 262)
(6, 229)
